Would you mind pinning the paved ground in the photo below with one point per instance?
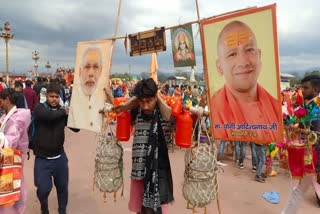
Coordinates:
(239, 193)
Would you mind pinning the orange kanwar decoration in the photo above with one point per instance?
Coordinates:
(69, 78)
(176, 106)
(119, 100)
(174, 102)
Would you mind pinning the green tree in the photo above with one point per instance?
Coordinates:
(295, 81)
(162, 77)
(314, 72)
(199, 77)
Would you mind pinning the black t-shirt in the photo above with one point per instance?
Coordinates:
(20, 100)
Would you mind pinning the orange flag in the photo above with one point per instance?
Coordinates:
(154, 67)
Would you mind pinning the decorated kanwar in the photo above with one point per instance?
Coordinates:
(160, 107)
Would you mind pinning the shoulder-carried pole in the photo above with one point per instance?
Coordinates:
(203, 56)
(115, 34)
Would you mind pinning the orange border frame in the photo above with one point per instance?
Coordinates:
(271, 7)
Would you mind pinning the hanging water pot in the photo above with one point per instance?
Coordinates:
(184, 129)
(123, 126)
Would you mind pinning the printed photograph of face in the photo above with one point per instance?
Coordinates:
(242, 73)
(239, 58)
(90, 70)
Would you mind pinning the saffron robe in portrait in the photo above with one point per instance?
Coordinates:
(255, 121)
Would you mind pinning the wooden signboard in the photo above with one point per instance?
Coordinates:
(148, 42)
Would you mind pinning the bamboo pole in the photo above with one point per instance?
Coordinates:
(218, 203)
(198, 13)
(115, 35)
(118, 17)
(203, 56)
(188, 23)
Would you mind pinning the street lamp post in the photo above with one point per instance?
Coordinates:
(48, 66)
(6, 35)
(35, 57)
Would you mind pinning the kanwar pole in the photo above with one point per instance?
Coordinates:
(203, 53)
(115, 34)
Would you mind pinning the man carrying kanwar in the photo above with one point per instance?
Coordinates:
(151, 179)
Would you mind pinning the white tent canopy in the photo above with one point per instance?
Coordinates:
(287, 75)
(175, 80)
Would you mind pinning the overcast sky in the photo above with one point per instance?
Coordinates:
(53, 28)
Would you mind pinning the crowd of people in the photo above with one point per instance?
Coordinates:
(291, 153)
(46, 102)
(43, 103)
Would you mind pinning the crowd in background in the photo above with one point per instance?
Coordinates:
(30, 93)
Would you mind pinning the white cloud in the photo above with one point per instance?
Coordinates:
(303, 62)
(54, 27)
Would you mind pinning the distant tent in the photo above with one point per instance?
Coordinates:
(286, 75)
(192, 77)
(176, 80)
(285, 80)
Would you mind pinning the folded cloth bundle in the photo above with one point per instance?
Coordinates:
(272, 197)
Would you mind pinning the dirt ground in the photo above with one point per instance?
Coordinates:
(239, 193)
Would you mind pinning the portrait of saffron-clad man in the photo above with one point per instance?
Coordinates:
(241, 108)
(91, 77)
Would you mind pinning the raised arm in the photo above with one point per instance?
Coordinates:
(43, 113)
(133, 102)
(164, 108)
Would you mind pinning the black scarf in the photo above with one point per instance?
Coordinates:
(151, 196)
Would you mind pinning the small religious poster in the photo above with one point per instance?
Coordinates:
(183, 46)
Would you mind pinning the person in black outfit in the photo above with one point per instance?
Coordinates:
(38, 86)
(51, 162)
(21, 100)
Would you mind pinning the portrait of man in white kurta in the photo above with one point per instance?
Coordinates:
(92, 72)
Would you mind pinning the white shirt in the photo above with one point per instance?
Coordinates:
(84, 112)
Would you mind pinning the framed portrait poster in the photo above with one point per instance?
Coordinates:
(183, 46)
(92, 72)
(241, 62)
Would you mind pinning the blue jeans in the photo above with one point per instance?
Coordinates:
(240, 150)
(221, 148)
(44, 171)
(261, 157)
(253, 155)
